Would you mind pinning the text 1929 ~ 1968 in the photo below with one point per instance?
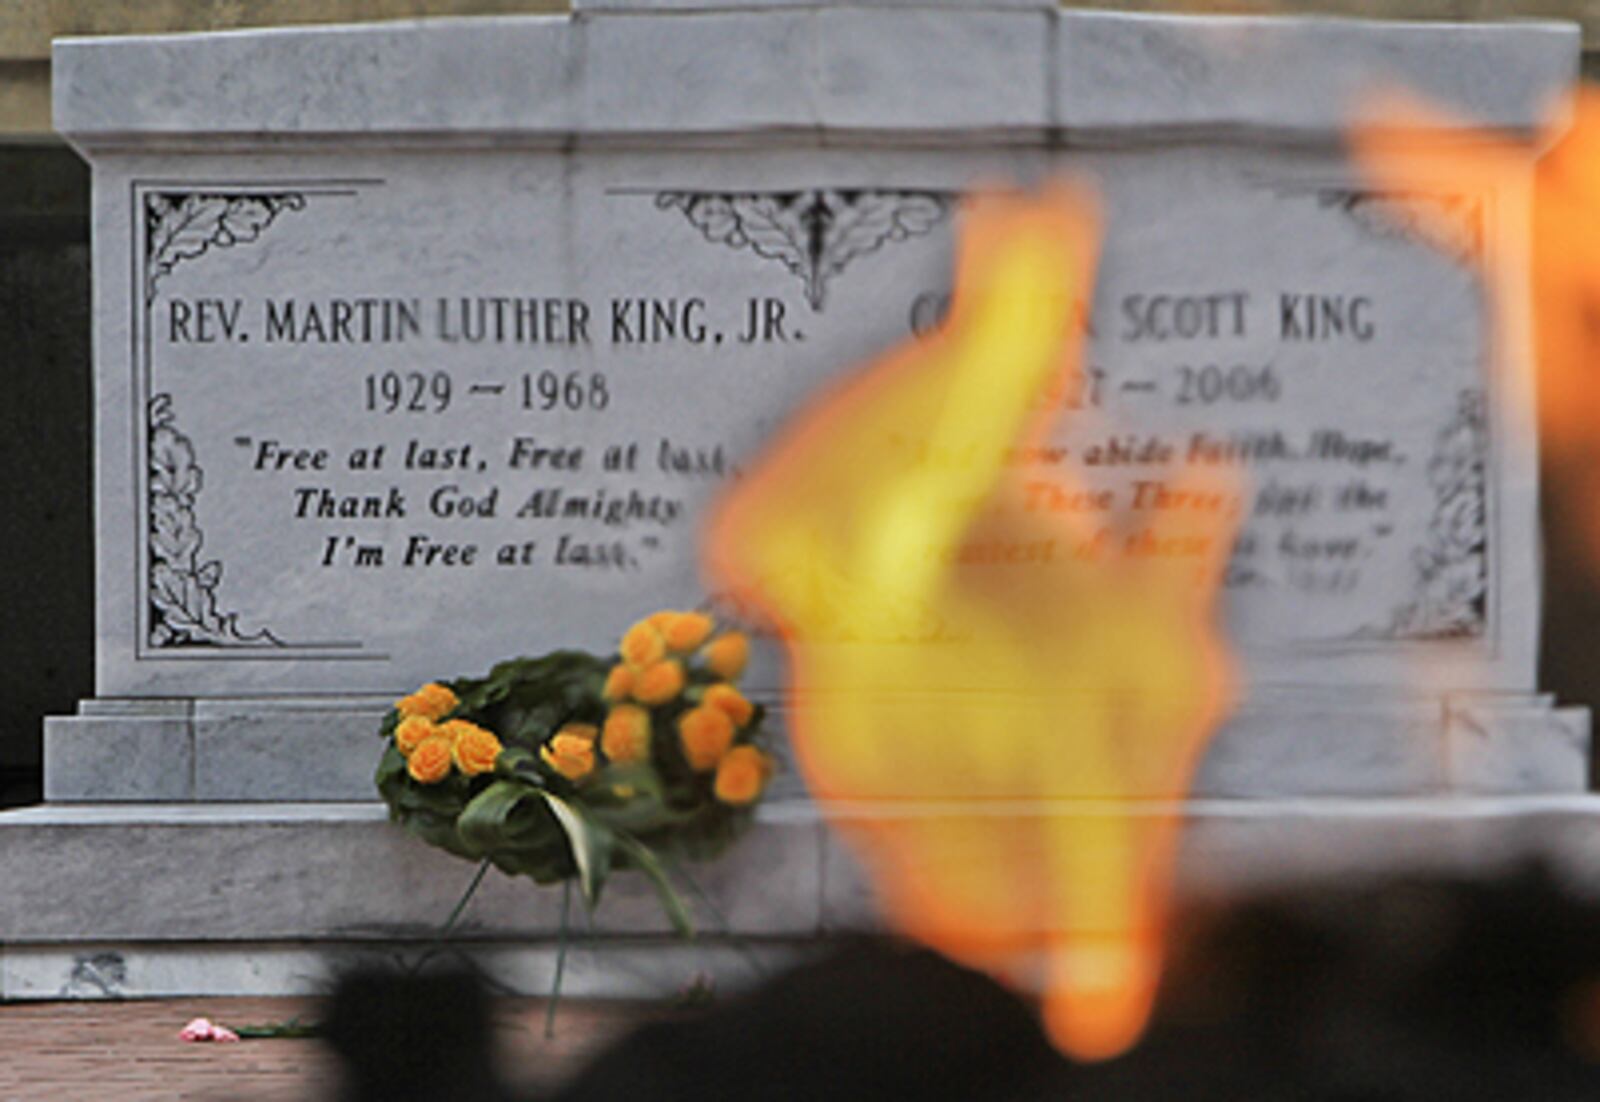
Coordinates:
(422, 392)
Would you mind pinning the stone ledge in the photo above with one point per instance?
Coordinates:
(342, 872)
(1232, 847)
(324, 748)
(240, 899)
(314, 872)
(134, 750)
(1301, 75)
(596, 968)
(925, 73)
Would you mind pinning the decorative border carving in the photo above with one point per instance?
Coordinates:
(1453, 223)
(181, 226)
(183, 590)
(96, 975)
(178, 590)
(1451, 595)
(816, 232)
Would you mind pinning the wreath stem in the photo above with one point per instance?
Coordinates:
(561, 961)
(739, 944)
(433, 947)
(461, 904)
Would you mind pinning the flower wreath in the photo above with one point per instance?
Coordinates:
(571, 766)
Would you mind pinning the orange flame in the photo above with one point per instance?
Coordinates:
(981, 684)
(1414, 141)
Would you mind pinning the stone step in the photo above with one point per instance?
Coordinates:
(155, 900)
(325, 748)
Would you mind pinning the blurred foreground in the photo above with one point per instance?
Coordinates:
(128, 1051)
(1418, 990)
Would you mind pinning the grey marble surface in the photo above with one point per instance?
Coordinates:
(148, 758)
(1305, 76)
(262, 756)
(595, 968)
(135, 901)
(1231, 847)
(913, 70)
(623, 7)
(1326, 748)
(295, 610)
(317, 872)
(253, 751)
(303, 170)
(1520, 746)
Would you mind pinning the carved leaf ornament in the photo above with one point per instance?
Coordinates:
(181, 227)
(1450, 600)
(814, 233)
(183, 601)
(1453, 224)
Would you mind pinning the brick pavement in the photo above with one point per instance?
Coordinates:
(130, 1052)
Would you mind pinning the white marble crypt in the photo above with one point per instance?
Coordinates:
(395, 320)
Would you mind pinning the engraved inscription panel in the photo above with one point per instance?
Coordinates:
(389, 417)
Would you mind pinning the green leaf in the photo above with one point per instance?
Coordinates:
(643, 811)
(292, 1029)
(591, 843)
(543, 864)
(446, 798)
(515, 761)
(478, 694)
(427, 811)
(645, 860)
(438, 830)
(391, 771)
(527, 821)
(502, 817)
(532, 726)
(711, 831)
(517, 825)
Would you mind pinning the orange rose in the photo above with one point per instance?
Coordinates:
(659, 683)
(571, 755)
(411, 731)
(430, 761)
(706, 734)
(619, 682)
(474, 750)
(588, 732)
(742, 775)
(452, 729)
(642, 644)
(432, 701)
(732, 701)
(686, 631)
(727, 655)
(660, 620)
(626, 736)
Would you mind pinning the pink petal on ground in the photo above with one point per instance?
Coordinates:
(204, 1029)
(198, 1030)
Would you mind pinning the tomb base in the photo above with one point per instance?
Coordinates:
(317, 748)
(130, 900)
(775, 191)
